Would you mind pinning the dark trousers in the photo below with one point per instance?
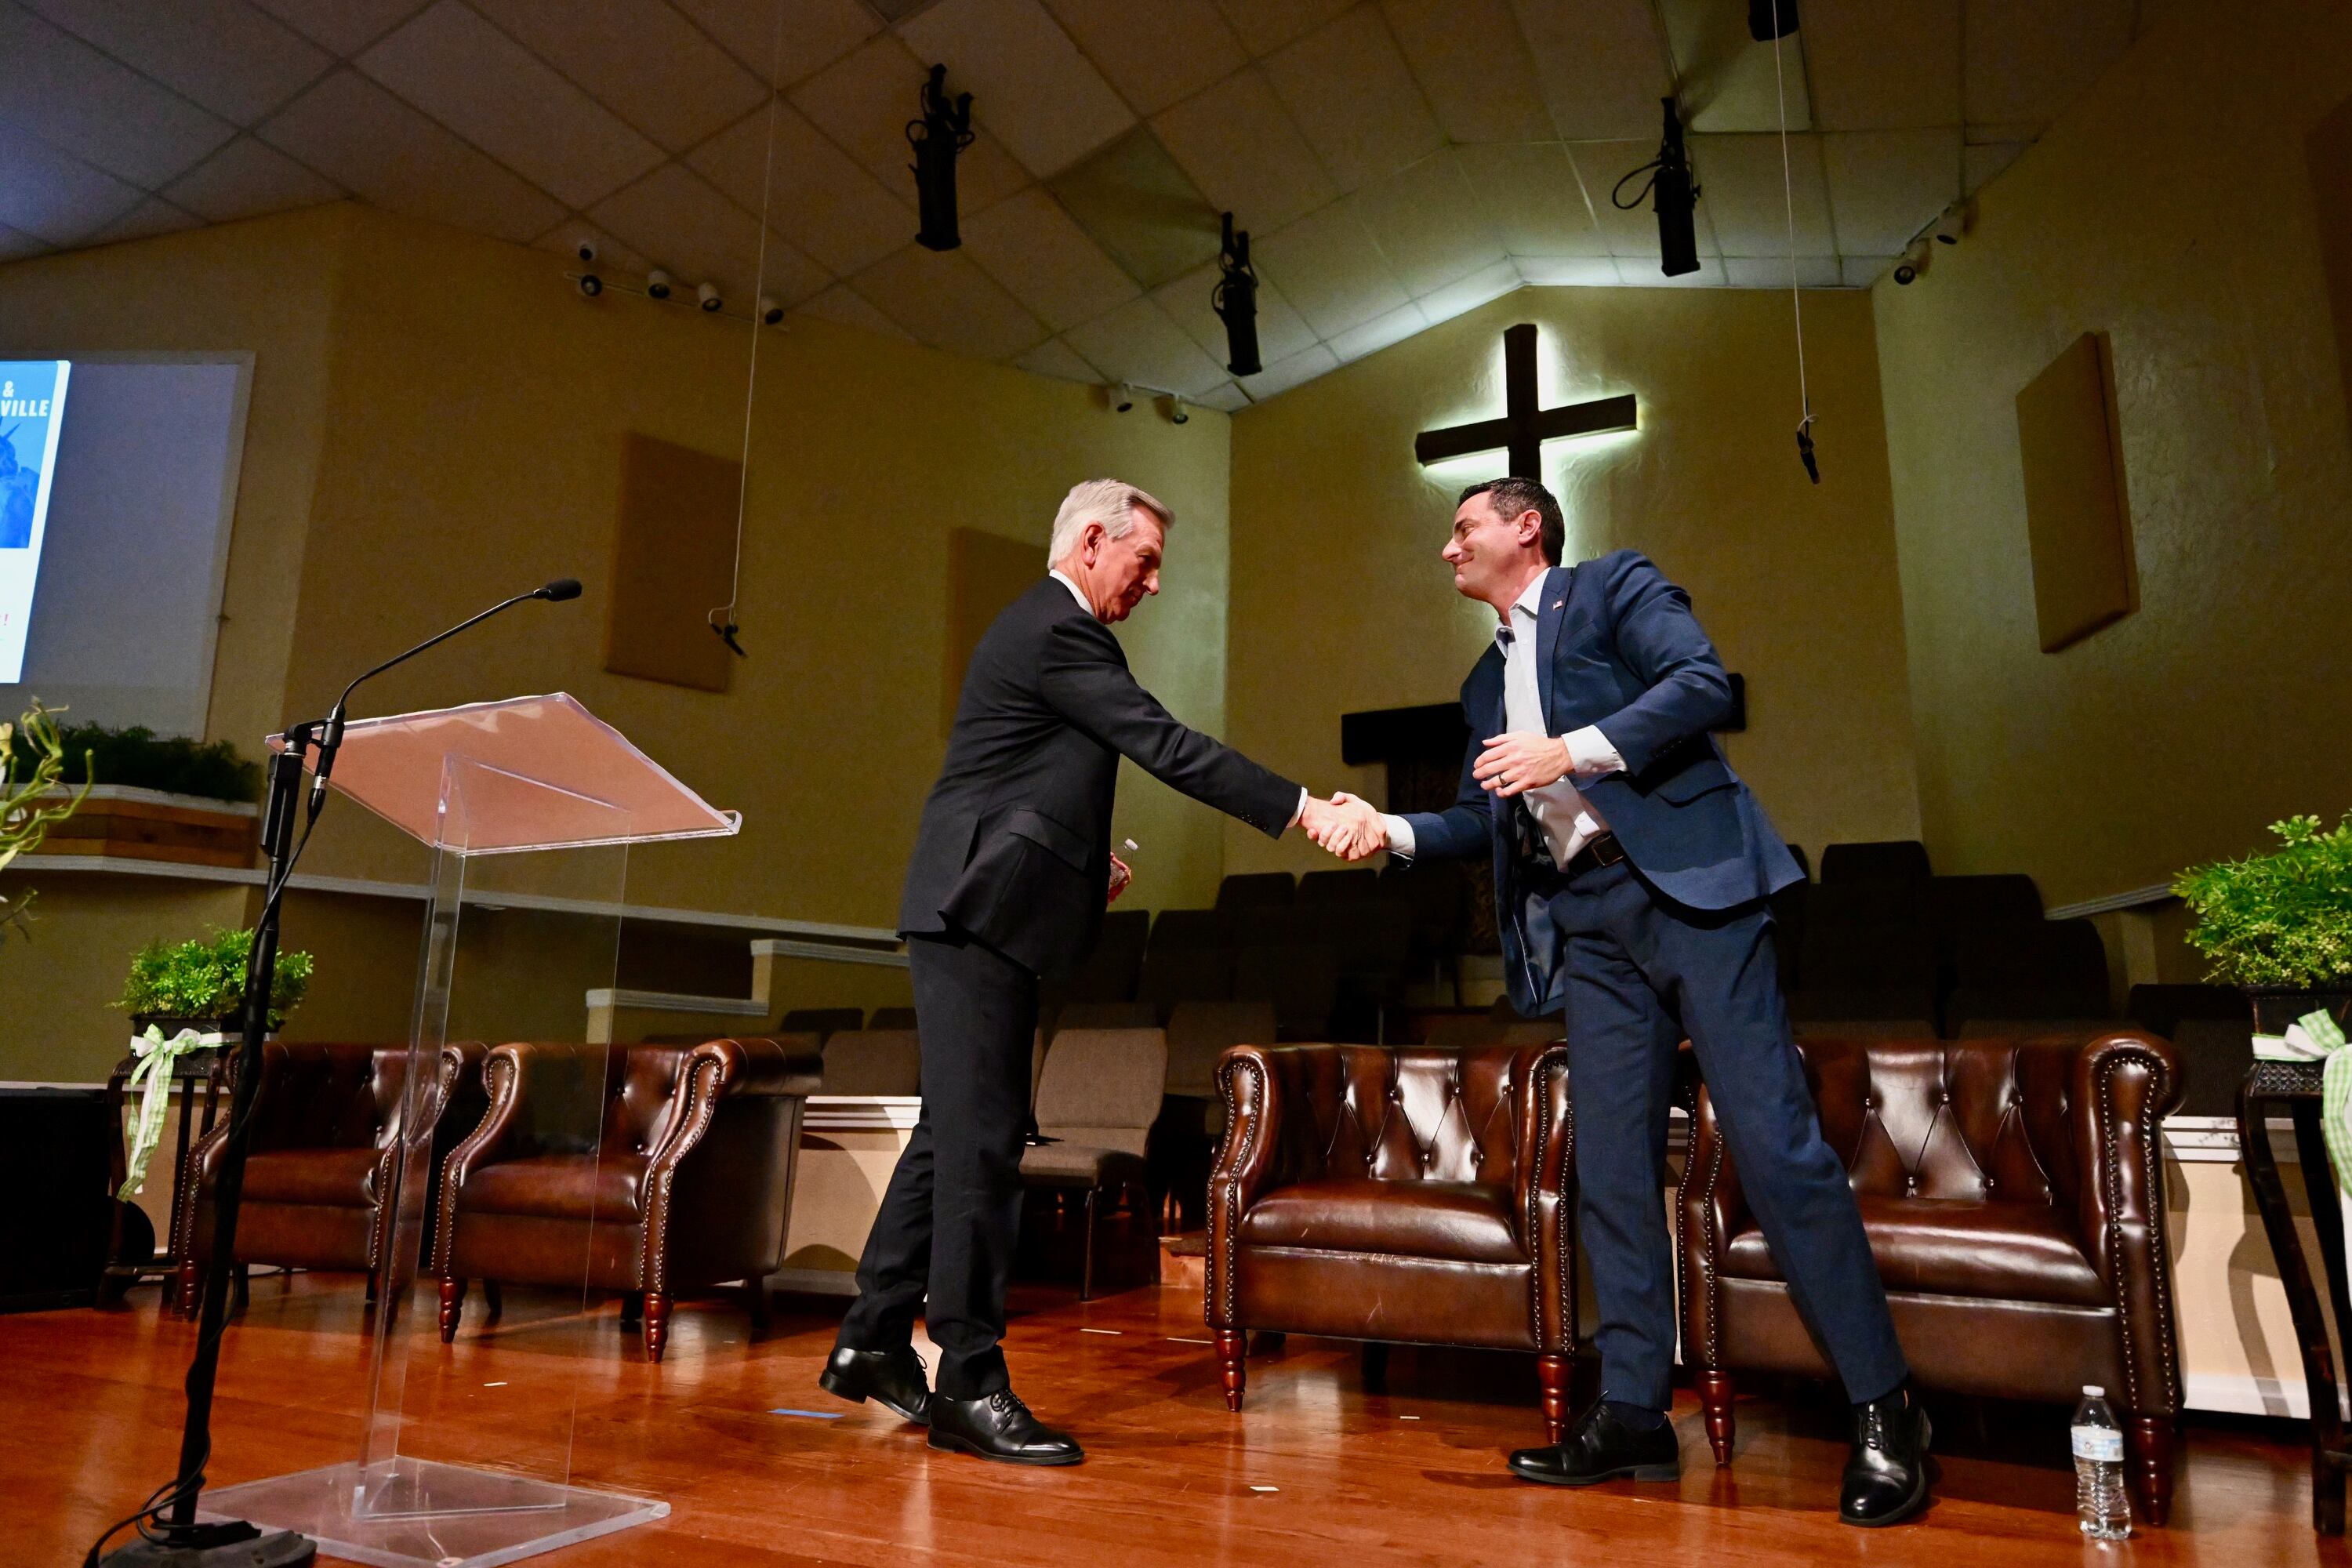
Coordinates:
(1643, 972)
(943, 1242)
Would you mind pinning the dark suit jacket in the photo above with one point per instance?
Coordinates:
(1616, 646)
(1014, 845)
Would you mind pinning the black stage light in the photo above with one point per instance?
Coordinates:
(942, 131)
(1235, 301)
(1676, 194)
(1771, 19)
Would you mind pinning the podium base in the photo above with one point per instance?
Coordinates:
(427, 1514)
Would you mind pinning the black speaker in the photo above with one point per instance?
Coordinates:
(53, 1173)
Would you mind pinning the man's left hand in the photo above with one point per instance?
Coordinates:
(1514, 764)
(1120, 878)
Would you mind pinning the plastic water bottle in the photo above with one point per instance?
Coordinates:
(2102, 1509)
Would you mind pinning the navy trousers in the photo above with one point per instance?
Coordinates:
(942, 1242)
(1643, 973)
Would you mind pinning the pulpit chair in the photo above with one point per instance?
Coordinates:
(690, 1185)
(1098, 1093)
(325, 1121)
(2013, 1195)
(1405, 1196)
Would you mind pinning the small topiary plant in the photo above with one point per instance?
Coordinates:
(204, 977)
(2284, 919)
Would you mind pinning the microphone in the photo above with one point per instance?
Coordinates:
(331, 729)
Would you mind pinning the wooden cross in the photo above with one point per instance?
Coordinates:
(1523, 427)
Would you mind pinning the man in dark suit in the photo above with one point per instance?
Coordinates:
(1011, 871)
(1632, 867)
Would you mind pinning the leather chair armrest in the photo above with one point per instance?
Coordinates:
(781, 1064)
(1542, 1190)
(2125, 1085)
(1251, 1089)
(503, 1072)
(1710, 1209)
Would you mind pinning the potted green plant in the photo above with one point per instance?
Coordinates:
(164, 797)
(33, 762)
(2278, 926)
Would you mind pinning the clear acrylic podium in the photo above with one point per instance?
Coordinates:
(464, 1461)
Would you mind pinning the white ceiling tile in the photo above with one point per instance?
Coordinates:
(814, 33)
(616, 257)
(510, 103)
(1642, 272)
(1468, 293)
(1888, 185)
(1328, 267)
(343, 26)
(1243, 151)
(945, 299)
(1532, 198)
(682, 225)
(864, 100)
(1154, 55)
(1138, 342)
(102, 112)
(1474, 67)
(1350, 94)
(1568, 271)
(233, 59)
(1265, 25)
(1772, 272)
(1282, 374)
(52, 197)
(1060, 361)
(1225, 397)
(791, 278)
(843, 304)
(1883, 65)
(814, 193)
(1281, 329)
(1862, 271)
(17, 246)
(1043, 258)
(246, 179)
(1979, 165)
(1030, 85)
(1603, 165)
(1741, 186)
(2027, 59)
(372, 144)
(151, 218)
(1602, 64)
(1428, 223)
(1378, 333)
(640, 59)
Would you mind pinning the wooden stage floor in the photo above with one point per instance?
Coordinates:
(1315, 1469)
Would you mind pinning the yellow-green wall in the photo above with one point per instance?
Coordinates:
(2170, 208)
(1340, 603)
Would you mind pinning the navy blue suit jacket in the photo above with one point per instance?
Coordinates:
(1617, 646)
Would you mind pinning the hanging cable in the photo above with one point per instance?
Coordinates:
(1796, 294)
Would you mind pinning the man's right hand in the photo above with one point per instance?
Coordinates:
(1346, 826)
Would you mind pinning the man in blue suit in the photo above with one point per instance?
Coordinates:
(1631, 870)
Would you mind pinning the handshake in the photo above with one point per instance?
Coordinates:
(1346, 826)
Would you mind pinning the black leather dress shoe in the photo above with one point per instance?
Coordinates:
(999, 1426)
(892, 1379)
(1600, 1447)
(1887, 1476)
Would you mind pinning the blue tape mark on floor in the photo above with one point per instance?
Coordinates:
(813, 1415)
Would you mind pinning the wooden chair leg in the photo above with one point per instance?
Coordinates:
(186, 1288)
(1715, 1400)
(240, 1290)
(657, 1324)
(1376, 1367)
(1233, 1364)
(453, 1303)
(1087, 1268)
(493, 1300)
(1552, 1374)
(757, 1299)
(633, 1308)
(2148, 1441)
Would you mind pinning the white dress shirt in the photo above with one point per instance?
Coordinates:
(1085, 604)
(1567, 820)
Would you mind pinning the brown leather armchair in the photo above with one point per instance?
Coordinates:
(1408, 1195)
(690, 1183)
(324, 1119)
(2014, 1198)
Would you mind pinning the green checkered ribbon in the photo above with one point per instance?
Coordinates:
(2335, 1090)
(153, 1074)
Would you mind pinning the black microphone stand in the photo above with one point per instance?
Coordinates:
(184, 1543)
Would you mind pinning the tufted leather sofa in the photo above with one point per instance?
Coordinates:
(1409, 1195)
(325, 1126)
(2014, 1192)
(687, 1181)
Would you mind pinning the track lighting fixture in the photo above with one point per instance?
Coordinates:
(1676, 194)
(771, 313)
(1122, 398)
(938, 134)
(707, 295)
(658, 284)
(1176, 414)
(1234, 300)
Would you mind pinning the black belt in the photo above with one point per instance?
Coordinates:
(1601, 849)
